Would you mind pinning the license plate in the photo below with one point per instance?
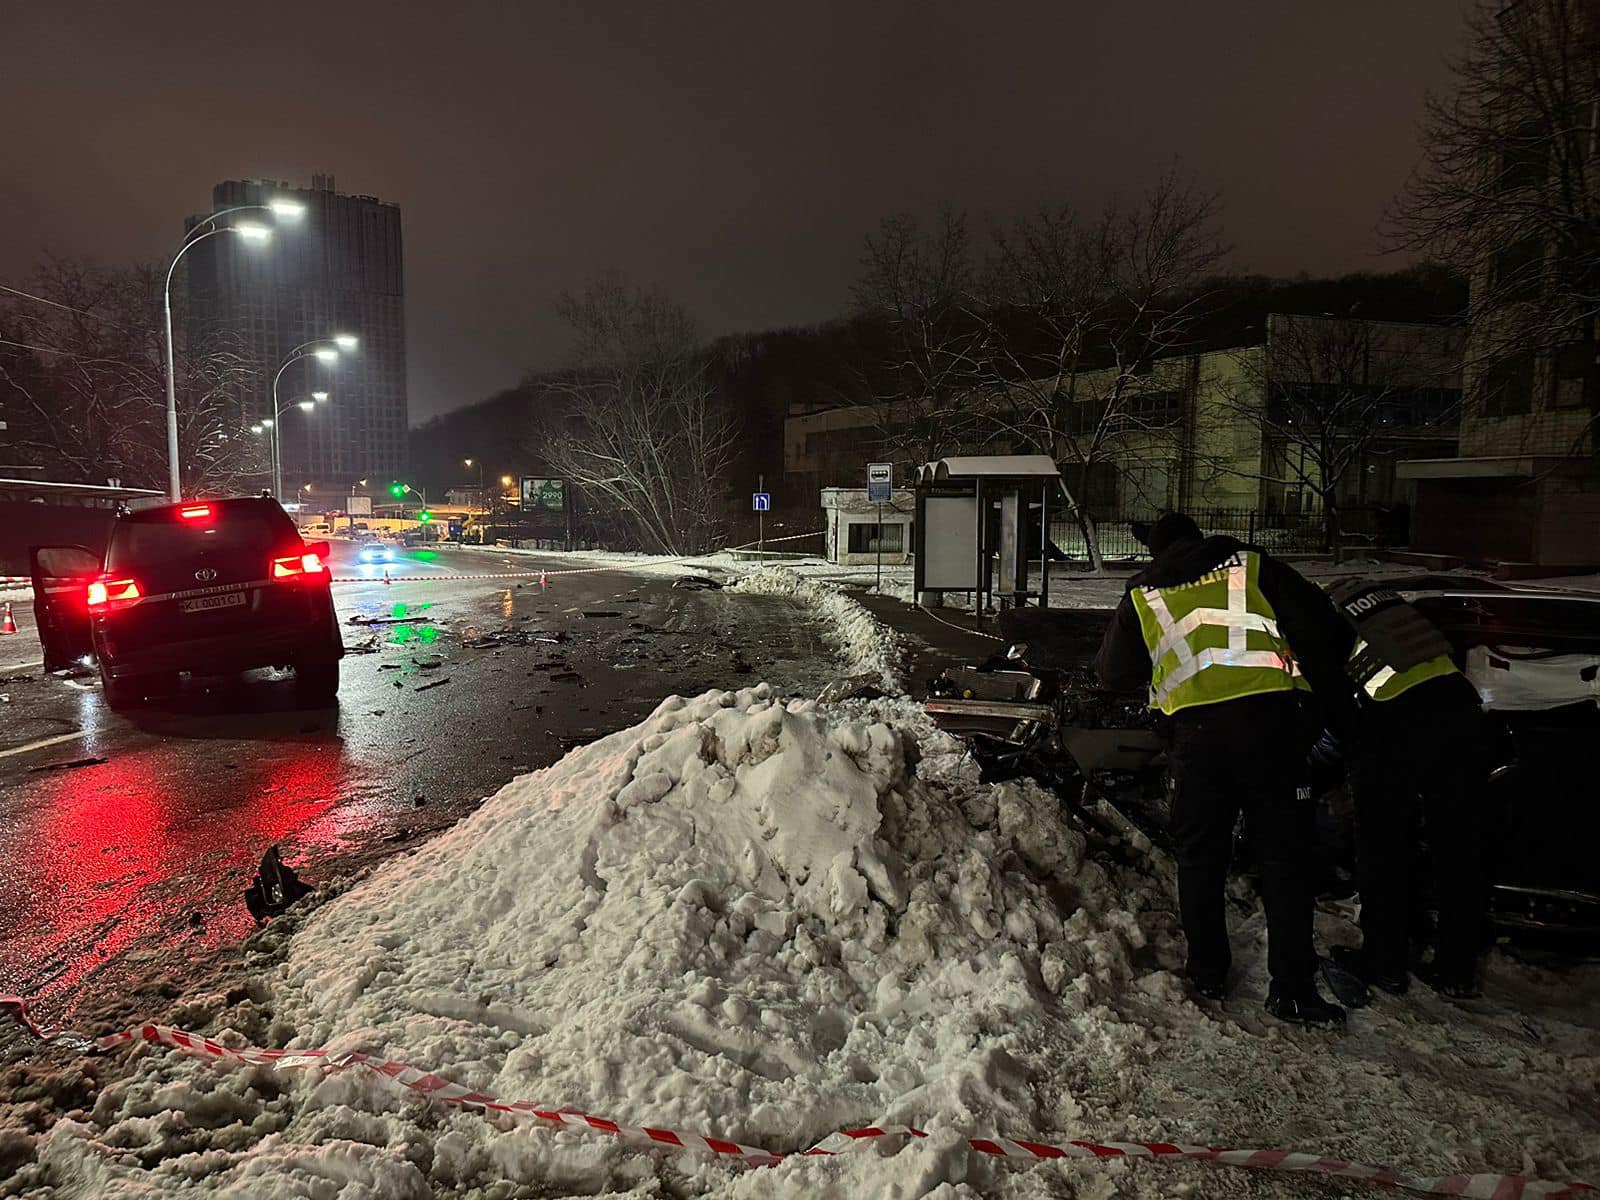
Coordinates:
(201, 603)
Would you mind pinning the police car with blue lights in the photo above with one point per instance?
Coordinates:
(375, 553)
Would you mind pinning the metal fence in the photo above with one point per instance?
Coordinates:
(1279, 533)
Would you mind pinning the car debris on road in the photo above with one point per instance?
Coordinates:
(276, 887)
(514, 637)
(698, 583)
(69, 765)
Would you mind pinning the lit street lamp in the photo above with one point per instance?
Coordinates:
(250, 233)
(274, 422)
(324, 350)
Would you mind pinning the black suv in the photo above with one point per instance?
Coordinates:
(210, 587)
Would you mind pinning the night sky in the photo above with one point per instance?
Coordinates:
(735, 154)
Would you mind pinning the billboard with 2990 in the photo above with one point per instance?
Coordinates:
(548, 494)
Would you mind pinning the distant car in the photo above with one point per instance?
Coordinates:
(376, 552)
(208, 587)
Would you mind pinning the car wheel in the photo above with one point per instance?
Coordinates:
(120, 694)
(317, 680)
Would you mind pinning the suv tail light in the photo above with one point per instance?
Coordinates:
(298, 565)
(107, 594)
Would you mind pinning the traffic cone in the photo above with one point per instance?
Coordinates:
(9, 625)
(544, 584)
(387, 582)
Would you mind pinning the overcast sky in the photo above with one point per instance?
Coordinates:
(734, 154)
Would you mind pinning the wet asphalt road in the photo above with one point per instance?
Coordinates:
(111, 870)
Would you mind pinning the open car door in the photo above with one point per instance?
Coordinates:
(61, 578)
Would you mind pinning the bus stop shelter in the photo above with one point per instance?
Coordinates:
(974, 531)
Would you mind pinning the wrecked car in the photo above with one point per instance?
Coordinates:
(1533, 654)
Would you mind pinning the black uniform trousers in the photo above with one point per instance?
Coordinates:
(1244, 756)
(1424, 747)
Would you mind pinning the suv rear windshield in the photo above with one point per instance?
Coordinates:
(159, 540)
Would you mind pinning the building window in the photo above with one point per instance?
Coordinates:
(1154, 409)
(1573, 382)
(1523, 160)
(864, 539)
(1506, 389)
(1518, 269)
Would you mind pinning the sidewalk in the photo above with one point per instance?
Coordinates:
(933, 644)
(945, 637)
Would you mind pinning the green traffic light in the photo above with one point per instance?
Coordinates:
(397, 489)
(425, 516)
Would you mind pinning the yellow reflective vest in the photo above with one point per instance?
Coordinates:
(1396, 647)
(1382, 682)
(1213, 640)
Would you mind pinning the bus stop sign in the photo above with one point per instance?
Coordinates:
(880, 482)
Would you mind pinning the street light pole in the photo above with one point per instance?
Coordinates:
(277, 420)
(190, 241)
(326, 350)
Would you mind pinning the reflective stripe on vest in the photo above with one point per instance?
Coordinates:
(1385, 683)
(1187, 667)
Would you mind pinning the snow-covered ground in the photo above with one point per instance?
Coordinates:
(868, 647)
(768, 920)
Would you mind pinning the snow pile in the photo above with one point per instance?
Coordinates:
(767, 921)
(745, 917)
(868, 646)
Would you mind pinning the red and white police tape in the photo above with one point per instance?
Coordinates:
(436, 1087)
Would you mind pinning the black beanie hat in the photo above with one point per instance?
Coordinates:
(1170, 529)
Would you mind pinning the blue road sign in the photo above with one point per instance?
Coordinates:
(880, 482)
(760, 501)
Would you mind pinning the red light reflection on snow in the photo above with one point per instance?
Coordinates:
(117, 858)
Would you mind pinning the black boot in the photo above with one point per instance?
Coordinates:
(1211, 987)
(1352, 960)
(1303, 1008)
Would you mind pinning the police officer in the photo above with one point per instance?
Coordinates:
(1217, 630)
(1420, 739)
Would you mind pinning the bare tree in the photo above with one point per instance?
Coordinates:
(919, 282)
(86, 400)
(1506, 192)
(638, 426)
(1326, 394)
(1079, 311)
